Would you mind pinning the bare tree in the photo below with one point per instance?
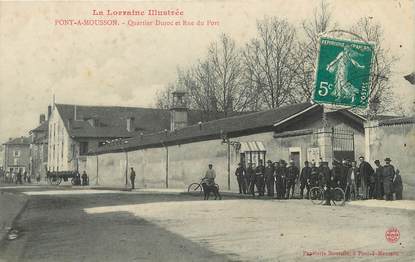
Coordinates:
(164, 97)
(230, 93)
(307, 51)
(381, 97)
(269, 61)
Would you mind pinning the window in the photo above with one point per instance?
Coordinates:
(83, 148)
(16, 153)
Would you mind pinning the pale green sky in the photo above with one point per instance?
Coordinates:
(127, 65)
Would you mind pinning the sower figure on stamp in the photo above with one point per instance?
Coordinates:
(269, 178)
(388, 172)
(240, 174)
(305, 179)
(378, 181)
(292, 177)
(132, 178)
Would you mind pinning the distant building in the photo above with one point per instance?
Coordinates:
(39, 147)
(17, 154)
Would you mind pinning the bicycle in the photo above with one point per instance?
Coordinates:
(317, 197)
(197, 187)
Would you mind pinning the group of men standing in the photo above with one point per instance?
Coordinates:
(357, 181)
(275, 175)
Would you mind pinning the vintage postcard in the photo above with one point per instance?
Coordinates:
(239, 130)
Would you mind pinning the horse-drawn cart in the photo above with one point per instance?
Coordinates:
(56, 177)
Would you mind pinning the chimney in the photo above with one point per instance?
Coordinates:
(74, 113)
(178, 111)
(42, 118)
(49, 111)
(130, 124)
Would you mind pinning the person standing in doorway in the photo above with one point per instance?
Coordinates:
(132, 178)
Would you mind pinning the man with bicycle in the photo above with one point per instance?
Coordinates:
(330, 183)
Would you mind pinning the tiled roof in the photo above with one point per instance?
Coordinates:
(42, 127)
(232, 126)
(397, 121)
(19, 141)
(112, 120)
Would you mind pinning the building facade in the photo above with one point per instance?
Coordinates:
(39, 148)
(17, 155)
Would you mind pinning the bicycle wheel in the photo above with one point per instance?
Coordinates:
(316, 195)
(194, 188)
(338, 196)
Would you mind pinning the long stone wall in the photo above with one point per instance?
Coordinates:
(398, 143)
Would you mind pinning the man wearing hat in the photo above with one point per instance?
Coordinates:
(259, 177)
(397, 185)
(388, 172)
(292, 177)
(366, 171)
(305, 179)
(250, 177)
(280, 175)
(240, 174)
(378, 192)
(269, 178)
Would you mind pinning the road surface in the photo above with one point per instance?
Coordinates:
(94, 225)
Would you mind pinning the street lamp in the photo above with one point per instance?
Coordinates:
(229, 143)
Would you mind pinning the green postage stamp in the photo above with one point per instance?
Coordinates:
(343, 72)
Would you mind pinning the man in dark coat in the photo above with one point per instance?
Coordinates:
(84, 177)
(366, 171)
(344, 168)
(259, 177)
(132, 178)
(378, 192)
(388, 172)
(314, 176)
(281, 179)
(337, 172)
(269, 178)
(305, 179)
(352, 190)
(324, 173)
(292, 177)
(397, 185)
(250, 173)
(240, 174)
(330, 183)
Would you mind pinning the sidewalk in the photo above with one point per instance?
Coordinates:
(401, 204)
(11, 205)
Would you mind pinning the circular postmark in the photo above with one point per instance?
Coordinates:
(392, 235)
